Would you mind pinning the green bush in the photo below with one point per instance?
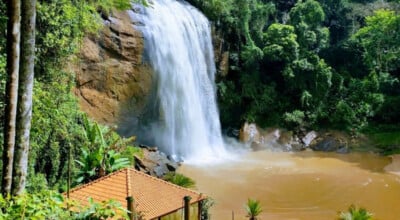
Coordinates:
(103, 152)
(52, 205)
(355, 213)
(253, 209)
(180, 180)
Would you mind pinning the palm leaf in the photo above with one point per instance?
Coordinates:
(253, 208)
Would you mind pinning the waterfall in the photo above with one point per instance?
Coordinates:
(179, 48)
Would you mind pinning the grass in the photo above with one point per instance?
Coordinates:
(383, 138)
(180, 180)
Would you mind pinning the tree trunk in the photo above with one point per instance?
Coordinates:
(24, 113)
(13, 40)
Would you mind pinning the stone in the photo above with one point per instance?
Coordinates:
(309, 137)
(154, 162)
(328, 144)
(343, 150)
(249, 133)
(113, 82)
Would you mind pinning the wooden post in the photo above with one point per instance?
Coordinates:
(200, 209)
(131, 208)
(186, 207)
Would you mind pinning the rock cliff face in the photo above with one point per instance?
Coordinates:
(113, 82)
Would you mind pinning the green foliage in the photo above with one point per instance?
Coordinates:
(258, 97)
(337, 19)
(357, 103)
(180, 180)
(307, 18)
(253, 208)
(294, 119)
(44, 205)
(207, 204)
(281, 43)
(355, 213)
(309, 12)
(97, 211)
(54, 129)
(52, 205)
(386, 140)
(380, 40)
(37, 183)
(62, 24)
(102, 155)
(296, 56)
(3, 25)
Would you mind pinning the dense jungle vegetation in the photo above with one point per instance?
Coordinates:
(60, 131)
(314, 64)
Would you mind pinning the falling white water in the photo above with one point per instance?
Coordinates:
(178, 44)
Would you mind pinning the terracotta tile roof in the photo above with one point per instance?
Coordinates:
(153, 197)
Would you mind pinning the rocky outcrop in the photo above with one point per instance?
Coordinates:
(221, 53)
(112, 80)
(328, 144)
(154, 162)
(332, 142)
(279, 139)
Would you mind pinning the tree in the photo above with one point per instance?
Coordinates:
(253, 208)
(281, 43)
(25, 87)
(337, 19)
(102, 154)
(13, 40)
(380, 40)
(307, 18)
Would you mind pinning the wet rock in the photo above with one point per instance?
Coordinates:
(171, 167)
(309, 137)
(249, 133)
(343, 150)
(231, 132)
(328, 144)
(152, 149)
(154, 162)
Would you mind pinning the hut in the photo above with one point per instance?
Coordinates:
(152, 198)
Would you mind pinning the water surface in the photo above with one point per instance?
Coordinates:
(304, 185)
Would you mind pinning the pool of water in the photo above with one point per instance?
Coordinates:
(304, 185)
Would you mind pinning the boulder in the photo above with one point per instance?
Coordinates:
(154, 162)
(329, 144)
(249, 133)
(289, 142)
(309, 137)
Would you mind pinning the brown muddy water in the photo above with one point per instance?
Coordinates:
(304, 185)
